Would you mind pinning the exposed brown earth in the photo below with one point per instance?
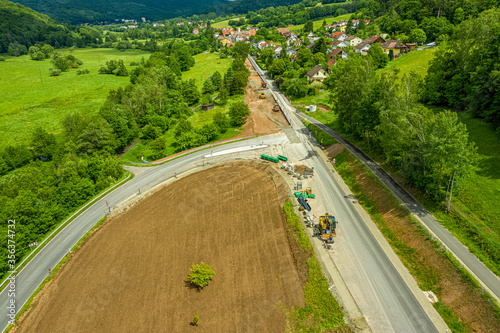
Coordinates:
(475, 312)
(131, 274)
(262, 120)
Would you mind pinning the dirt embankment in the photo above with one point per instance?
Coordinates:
(131, 274)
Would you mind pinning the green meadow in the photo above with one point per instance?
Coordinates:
(206, 64)
(30, 97)
(416, 61)
(317, 23)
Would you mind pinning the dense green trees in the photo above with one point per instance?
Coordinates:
(429, 149)
(465, 71)
(238, 111)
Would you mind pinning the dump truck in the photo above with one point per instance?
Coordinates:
(326, 229)
(276, 108)
(262, 96)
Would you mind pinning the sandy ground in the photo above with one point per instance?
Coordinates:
(131, 274)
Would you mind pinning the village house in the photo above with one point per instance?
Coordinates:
(398, 47)
(336, 52)
(317, 73)
(339, 35)
(353, 41)
(196, 31)
(335, 44)
(365, 45)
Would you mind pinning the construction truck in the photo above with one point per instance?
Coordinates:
(276, 107)
(262, 85)
(326, 229)
(262, 96)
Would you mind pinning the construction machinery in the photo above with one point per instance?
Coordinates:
(326, 229)
(276, 108)
(262, 85)
(262, 96)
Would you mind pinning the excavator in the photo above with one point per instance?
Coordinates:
(276, 107)
(326, 228)
(262, 85)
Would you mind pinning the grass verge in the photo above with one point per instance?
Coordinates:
(56, 269)
(321, 311)
(461, 300)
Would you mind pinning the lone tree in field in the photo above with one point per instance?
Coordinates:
(200, 275)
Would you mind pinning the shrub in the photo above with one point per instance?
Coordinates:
(201, 275)
(196, 318)
(54, 72)
(82, 71)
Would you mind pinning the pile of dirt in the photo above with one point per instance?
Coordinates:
(334, 150)
(131, 274)
(299, 168)
(455, 292)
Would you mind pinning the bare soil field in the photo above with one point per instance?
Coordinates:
(130, 276)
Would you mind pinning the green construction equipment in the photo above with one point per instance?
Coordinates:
(283, 158)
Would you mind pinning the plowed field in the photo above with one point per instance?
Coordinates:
(130, 275)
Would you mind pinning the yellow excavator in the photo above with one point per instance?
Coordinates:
(326, 229)
(262, 96)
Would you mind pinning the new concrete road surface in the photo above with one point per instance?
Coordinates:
(29, 278)
(485, 277)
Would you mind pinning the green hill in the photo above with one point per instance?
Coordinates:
(25, 26)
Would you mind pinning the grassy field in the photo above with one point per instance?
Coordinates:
(317, 23)
(417, 61)
(321, 98)
(27, 102)
(206, 64)
(223, 24)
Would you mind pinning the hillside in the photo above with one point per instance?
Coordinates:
(26, 26)
(82, 11)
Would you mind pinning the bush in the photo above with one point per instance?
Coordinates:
(200, 275)
(82, 71)
(2, 58)
(54, 72)
(133, 63)
(196, 318)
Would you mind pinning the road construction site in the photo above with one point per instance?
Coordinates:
(240, 229)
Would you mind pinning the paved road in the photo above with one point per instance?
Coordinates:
(36, 270)
(384, 297)
(486, 278)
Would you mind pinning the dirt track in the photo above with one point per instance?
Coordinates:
(130, 275)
